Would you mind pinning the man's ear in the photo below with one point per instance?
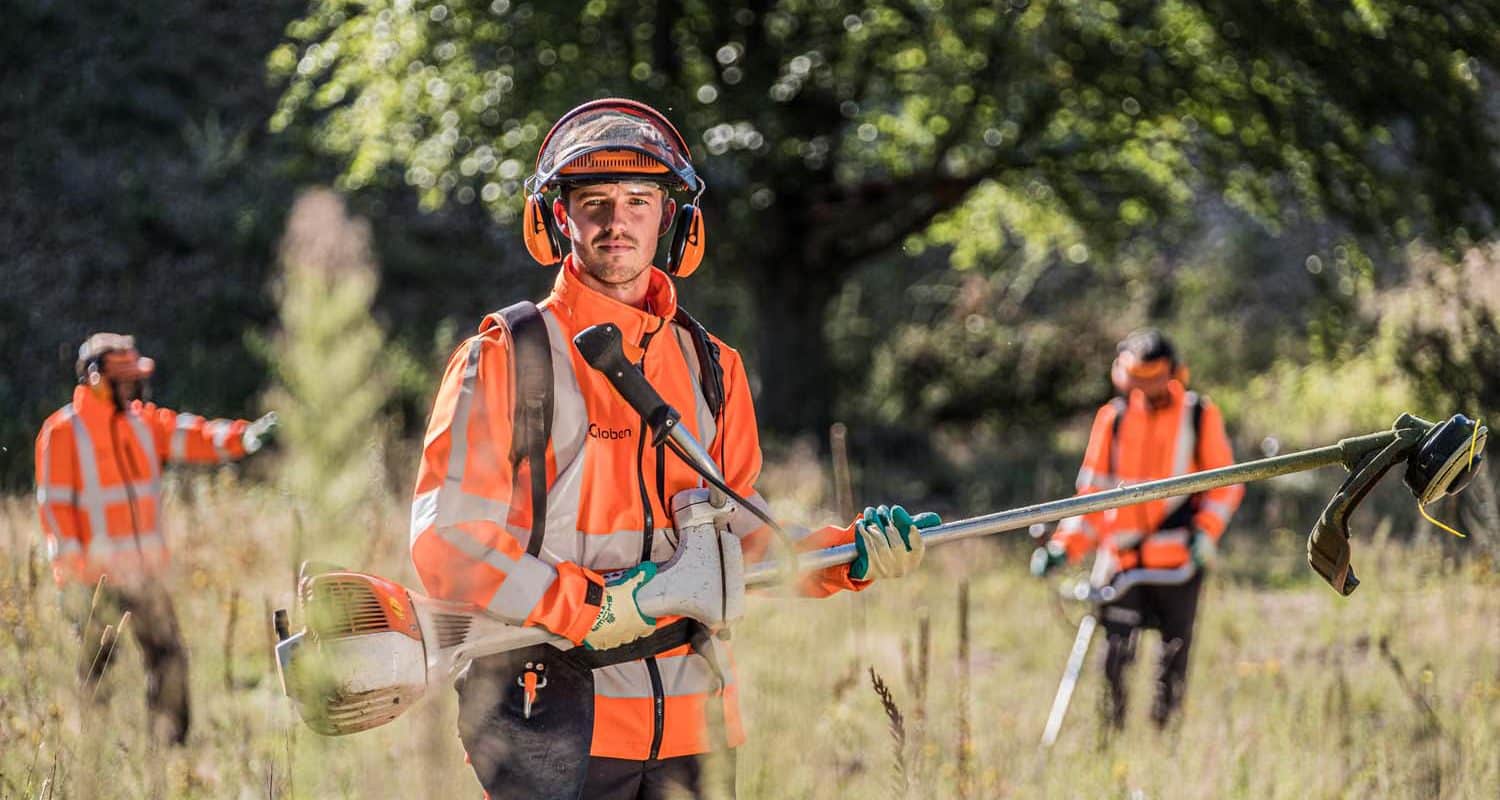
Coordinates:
(560, 217)
(668, 213)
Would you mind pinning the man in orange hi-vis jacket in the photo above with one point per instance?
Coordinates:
(1155, 428)
(98, 490)
(627, 715)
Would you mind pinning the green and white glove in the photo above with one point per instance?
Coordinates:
(1204, 549)
(889, 542)
(259, 432)
(620, 619)
(1048, 557)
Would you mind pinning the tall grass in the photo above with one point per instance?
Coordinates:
(1293, 692)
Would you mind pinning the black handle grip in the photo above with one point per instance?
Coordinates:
(601, 348)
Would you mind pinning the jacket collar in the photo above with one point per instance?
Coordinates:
(90, 407)
(584, 306)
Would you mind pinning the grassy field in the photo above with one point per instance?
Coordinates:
(1294, 692)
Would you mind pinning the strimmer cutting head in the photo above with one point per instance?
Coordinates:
(372, 649)
(1446, 459)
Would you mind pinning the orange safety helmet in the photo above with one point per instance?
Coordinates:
(613, 139)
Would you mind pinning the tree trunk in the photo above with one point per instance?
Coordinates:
(791, 298)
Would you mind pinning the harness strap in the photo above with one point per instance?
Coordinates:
(532, 412)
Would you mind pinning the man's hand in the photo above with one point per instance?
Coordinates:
(1048, 557)
(620, 620)
(889, 542)
(259, 432)
(1204, 549)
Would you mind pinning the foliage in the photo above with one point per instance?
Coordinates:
(1278, 662)
(332, 384)
(833, 131)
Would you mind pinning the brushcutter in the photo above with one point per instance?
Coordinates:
(370, 648)
(1087, 592)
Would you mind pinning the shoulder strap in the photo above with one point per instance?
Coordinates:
(1120, 405)
(531, 358)
(710, 371)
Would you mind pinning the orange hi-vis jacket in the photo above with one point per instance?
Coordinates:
(1142, 444)
(608, 503)
(98, 481)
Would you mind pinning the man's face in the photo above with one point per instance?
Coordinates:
(127, 373)
(1150, 377)
(614, 227)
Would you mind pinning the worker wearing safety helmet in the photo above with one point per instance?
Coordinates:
(99, 462)
(1155, 428)
(628, 714)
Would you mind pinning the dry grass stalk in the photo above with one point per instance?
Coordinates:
(234, 614)
(107, 642)
(897, 727)
(965, 743)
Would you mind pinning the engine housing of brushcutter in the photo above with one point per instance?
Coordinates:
(371, 648)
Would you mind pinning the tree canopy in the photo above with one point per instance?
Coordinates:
(1014, 133)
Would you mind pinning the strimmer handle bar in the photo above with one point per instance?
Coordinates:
(600, 345)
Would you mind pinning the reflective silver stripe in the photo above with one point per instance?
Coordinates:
(563, 541)
(682, 675)
(104, 547)
(1221, 510)
(218, 431)
(58, 546)
(522, 589)
(185, 425)
(54, 493)
(1173, 536)
(146, 440)
(1088, 479)
(470, 547)
(622, 548)
(707, 430)
(455, 507)
(1182, 458)
(1125, 538)
(91, 497)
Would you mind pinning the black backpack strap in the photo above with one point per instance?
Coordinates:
(710, 371)
(531, 423)
(1120, 406)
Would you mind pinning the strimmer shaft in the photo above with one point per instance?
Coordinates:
(1347, 451)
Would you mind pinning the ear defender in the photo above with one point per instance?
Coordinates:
(685, 252)
(1181, 374)
(538, 233)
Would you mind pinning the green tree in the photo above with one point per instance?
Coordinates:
(831, 132)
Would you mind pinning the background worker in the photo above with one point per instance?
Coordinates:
(98, 488)
(1155, 428)
(628, 714)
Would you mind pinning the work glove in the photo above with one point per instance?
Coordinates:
(1048, 557)
(889, 542)
(1204, 549)
(620, 619)
(259, 432)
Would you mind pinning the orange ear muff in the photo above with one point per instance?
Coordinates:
(1181, 374)
(685, 252)
(537, 232)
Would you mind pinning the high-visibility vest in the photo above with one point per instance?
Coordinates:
(98, 481)
(1133, 443)
(607, 502)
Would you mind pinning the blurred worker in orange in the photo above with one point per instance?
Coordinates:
(1155, 428)
(98, 489)
(528, 527)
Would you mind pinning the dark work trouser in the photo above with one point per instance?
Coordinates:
(1169, 609)
(153, 624)
(546, 755)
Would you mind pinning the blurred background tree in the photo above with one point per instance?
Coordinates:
(1024, 136)
(930, 219)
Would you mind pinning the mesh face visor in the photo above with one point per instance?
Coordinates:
(612, 144)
